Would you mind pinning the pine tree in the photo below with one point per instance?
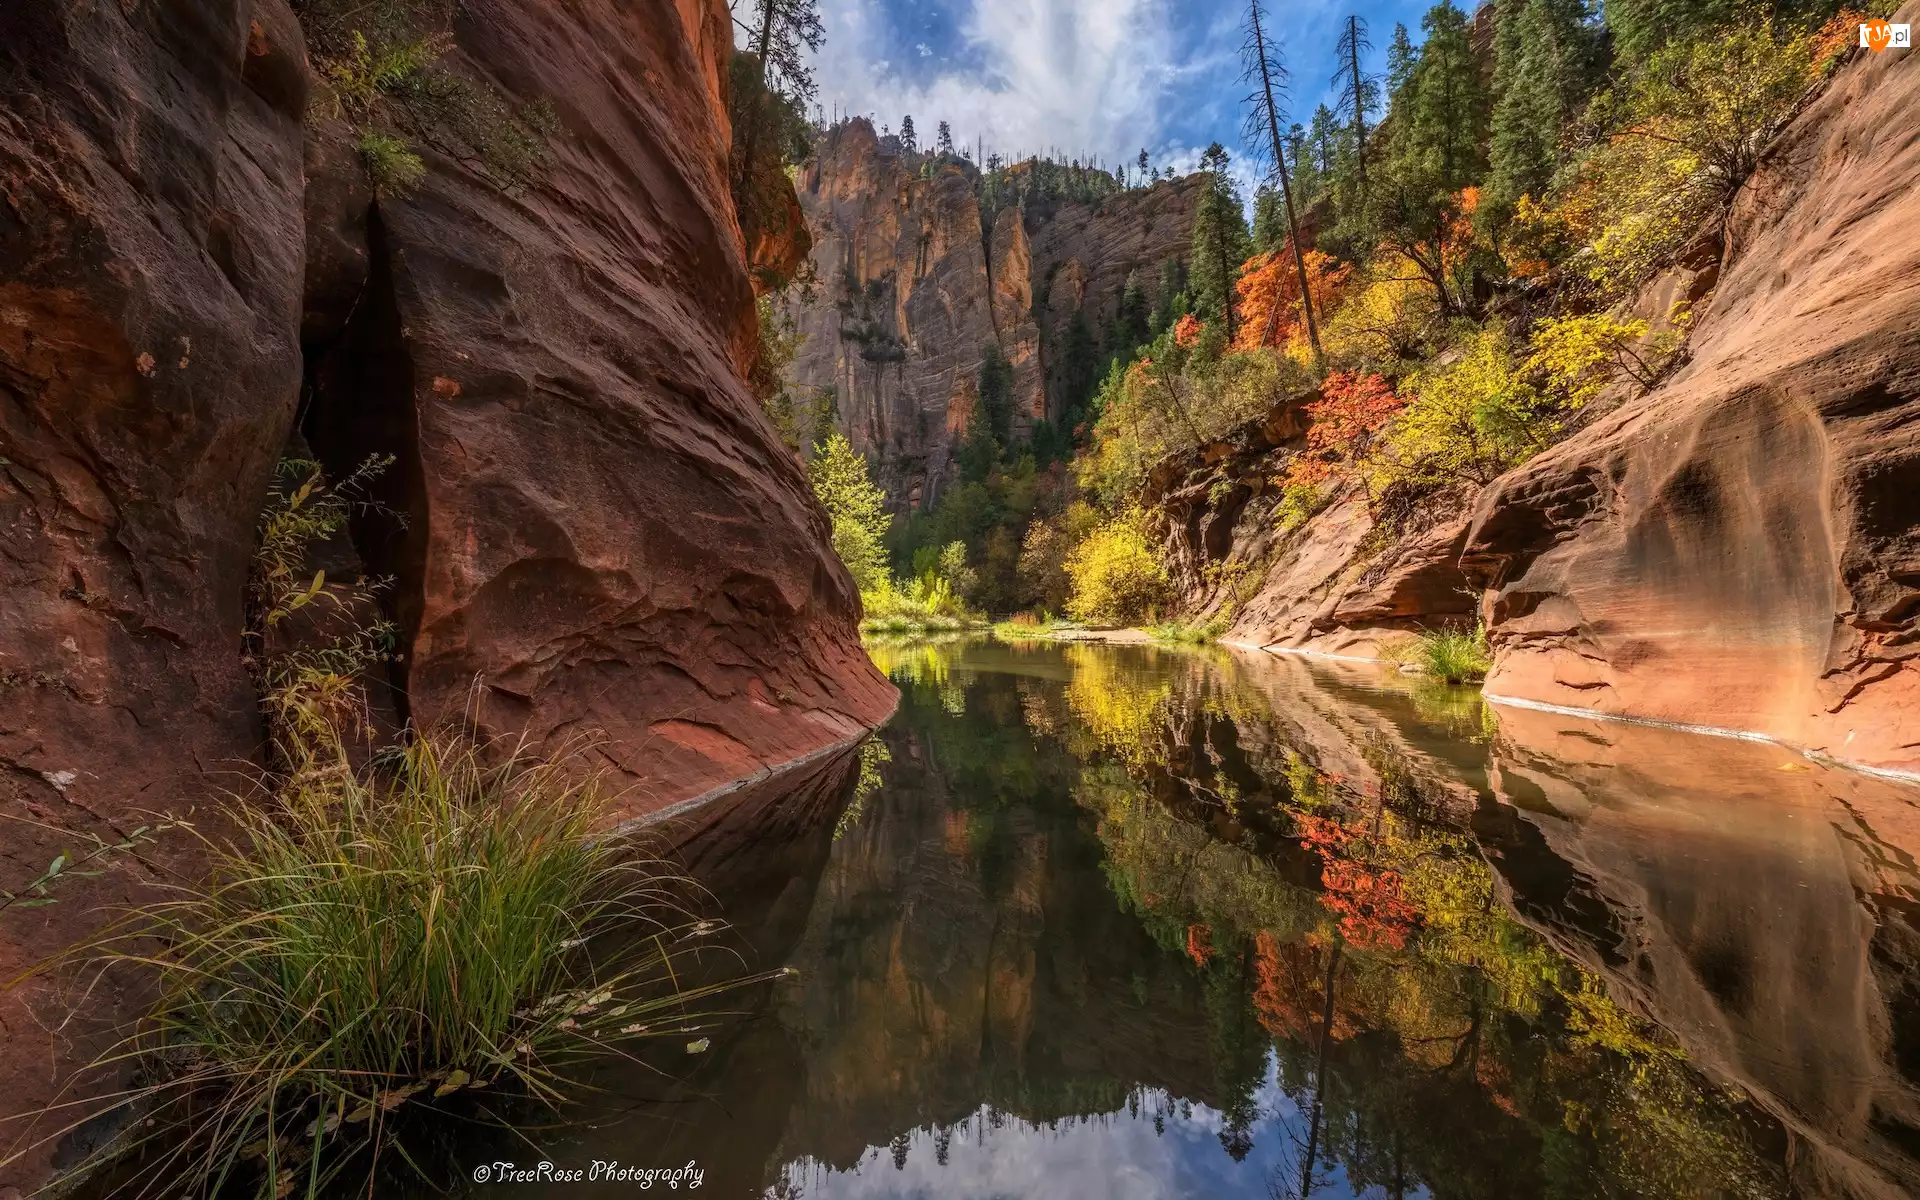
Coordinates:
(1432, 152)
(787, 31)
(1131, 322)
(943, 144)
(907, 137)
(1269, 221)
(1220, 242)
(1171, 301)
(1640, 27)
(1268, 75)
(1547, 62)
(1323, 142)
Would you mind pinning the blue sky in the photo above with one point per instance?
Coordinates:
(1099, 77)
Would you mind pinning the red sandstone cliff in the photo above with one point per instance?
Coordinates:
(1738, 548)
(604, 539)
(912, 286)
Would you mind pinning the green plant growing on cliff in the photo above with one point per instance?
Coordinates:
(441, 922)
(367, 70)
(1467, 422)
(1579, 356)
(1686, 132)
(311, 692)
(392, 166)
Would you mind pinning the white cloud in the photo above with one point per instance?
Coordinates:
(1083, 76)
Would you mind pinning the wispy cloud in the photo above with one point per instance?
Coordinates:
(1085, 76)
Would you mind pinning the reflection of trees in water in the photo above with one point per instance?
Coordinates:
(1425, 1034)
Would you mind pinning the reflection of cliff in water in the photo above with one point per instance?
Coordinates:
(1274, 833)
(965, 950)
(1762, 907)
(1245, 925)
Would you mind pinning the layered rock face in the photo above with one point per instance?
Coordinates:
(605, 540)
(913, 282)
(1738, 547)
(596, 538)
(150, 280)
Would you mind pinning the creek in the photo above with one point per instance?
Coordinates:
(1122, 921)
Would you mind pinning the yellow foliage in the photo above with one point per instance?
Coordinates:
(1387, 318)
(1116, 575)
(1468, 421)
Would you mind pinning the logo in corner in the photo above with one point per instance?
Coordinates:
(1880, 35)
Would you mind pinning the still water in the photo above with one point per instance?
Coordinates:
(1101, 921)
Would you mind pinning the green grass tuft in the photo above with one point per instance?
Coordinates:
(387, 935)
(1455, 655)
(1179, 633)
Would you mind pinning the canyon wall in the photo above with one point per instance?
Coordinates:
(595, 536)
(1735, 548)
(1738, 547)
(913, 281)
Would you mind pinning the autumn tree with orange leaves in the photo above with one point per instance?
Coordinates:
(1268, 295)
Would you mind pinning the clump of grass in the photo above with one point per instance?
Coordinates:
(392, 166)
(1454, 655)
(1180, 633)
(389, 935)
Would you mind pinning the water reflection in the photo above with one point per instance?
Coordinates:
(1121, 921)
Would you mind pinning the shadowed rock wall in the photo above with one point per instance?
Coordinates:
(596, 536)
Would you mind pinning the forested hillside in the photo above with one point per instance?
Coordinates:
(1290, 432)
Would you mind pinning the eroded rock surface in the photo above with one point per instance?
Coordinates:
(1738, 547)
(605, 543)
(596, 538)
(913, 282)
(150, 276)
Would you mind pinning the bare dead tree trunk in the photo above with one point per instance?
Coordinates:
(1286, 191)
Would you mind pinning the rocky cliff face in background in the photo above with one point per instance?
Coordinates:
(913, 283)
(604, 540)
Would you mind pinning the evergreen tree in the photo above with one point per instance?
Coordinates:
(1401, 59)
(1079, 363)
(1432, 152)
(1640, 27)
(1131, 323)
(1547, 62)
(996, 393)
(943, 143)
(1269, 222)
(1171, 301)
(1220, 242)
(785, 34)
(1323, 142)
(907, 138)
